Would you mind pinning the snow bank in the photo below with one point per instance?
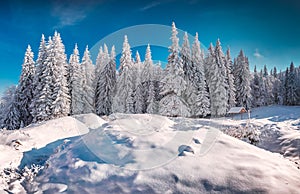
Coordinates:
(150, 154)
(35, 144)
(91, 120)
(230, 166)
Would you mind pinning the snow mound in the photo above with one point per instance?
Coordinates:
(147, 154)
(91, 120)
(230, 166)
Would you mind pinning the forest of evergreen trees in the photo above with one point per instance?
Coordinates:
(192, 84)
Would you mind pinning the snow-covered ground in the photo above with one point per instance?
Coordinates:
(153, 154)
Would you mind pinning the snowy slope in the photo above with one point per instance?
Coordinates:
(34, 144)
(150, 154)
(279, 127)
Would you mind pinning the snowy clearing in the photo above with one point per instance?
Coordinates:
(152, 154)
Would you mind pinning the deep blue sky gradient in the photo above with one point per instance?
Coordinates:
(268, 31)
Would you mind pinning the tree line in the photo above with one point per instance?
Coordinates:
(191, 85)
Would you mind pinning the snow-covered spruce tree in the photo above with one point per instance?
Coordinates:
(146, 76)
(24, 93)
(201, 106)
(217, 90)
(282, 92)
(106, 85)
(158, 72)
(172, 103)
(286, 86)
(123, 101)
(151, 105)
(230, 81)
(88, 82)
(138, 94)
(190, 94)
(297, 70)
(209, 60)
(57, 61)
(292, 97)
(102, 59)
(41, 103)
(157, 77)
(255, 89)
(276, 87)
(147, 67)
(269, 98)
(5, 100)
(12, 119)
(99, 63)
(76, 83)
(242, 77)
(263, 90)
(185, 54)
(9, 113)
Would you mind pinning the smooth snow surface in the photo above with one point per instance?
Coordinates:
(155, 154)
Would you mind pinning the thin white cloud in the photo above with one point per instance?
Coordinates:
(150, 5)
(70, 12)
(257, 54)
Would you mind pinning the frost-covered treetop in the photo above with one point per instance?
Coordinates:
(175, 40)
(137, 57)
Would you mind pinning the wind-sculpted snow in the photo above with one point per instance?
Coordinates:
(229, 166)
(147, 154)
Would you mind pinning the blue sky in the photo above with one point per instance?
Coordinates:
(268, 31)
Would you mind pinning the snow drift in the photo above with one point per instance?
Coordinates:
(144, 154)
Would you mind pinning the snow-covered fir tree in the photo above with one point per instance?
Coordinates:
(189, 70)
(103, 59)
(151, 105)
(209, 60)
(264, 96)
(9, 113)
(286, 86)
(105, 89)
(123, 101)
(242, 79)
(147, 67)
(57, 61)
(217, 81)
(88, 82)
(158, 72)
(172, 103)
(157, 77)
(268, 81)
(76, 83)
(24, 93)
(281, 79)
(41, 103)
(291, 88)
(187, 64)
(139, 90)
(230, 81)
(11, 120)
(276, 87)
(256, 89)
(99, 62)
(201, 104)
(297, 70)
